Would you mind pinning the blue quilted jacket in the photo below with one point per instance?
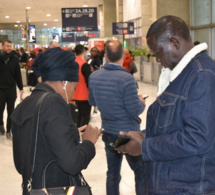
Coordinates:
(114, 91)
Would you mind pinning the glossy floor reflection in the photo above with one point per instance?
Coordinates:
(10, 180)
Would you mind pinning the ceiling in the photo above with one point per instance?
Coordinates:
(16, 10)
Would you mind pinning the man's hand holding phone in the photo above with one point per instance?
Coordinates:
(132, 147)
(121, 140)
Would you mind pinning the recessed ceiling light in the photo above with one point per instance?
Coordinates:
(56, 20)
(17, 21)
(45, 24)
(28, 7)
(85, 5)
(48, 14)
(16, 25)
(7, 16)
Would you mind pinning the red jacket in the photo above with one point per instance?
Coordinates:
(81, 91)
(126, 62)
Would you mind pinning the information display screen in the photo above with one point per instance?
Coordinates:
(81, 36)
(79, 19)
(122, 28)
(68, 37)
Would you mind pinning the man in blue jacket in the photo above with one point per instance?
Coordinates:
(114, 91)
(179, 148)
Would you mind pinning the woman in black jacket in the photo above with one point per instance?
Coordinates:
(58, 137)
(94, 60)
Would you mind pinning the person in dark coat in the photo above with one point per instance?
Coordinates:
(58, 137)
(94, 60)
(24, 57)
(10, 76)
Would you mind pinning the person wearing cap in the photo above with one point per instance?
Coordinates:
(58, 137)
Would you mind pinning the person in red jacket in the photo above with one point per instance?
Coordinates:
(127, 60)
(81, 91)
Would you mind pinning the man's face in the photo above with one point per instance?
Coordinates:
(7, 47)
(165, 52)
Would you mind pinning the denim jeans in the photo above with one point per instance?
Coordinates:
(114, 161)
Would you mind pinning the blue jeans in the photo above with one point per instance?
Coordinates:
(114, 161)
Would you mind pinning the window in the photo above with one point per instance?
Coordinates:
(201, 11)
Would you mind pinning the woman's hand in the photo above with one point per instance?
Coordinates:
(91, 133)
(81, 129)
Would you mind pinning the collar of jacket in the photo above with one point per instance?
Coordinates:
(5, 57)
(168, 75)
(186, 59)
(44, 87)
(112, 66)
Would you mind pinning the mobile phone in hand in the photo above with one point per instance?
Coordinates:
(120, 141)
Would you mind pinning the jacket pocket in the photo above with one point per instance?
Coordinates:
(166, 107)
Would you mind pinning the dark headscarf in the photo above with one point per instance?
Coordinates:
(58, 65)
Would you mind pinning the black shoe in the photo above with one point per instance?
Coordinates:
(2, 130)
(9, 136)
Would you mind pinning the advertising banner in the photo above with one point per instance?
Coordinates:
(32, 34)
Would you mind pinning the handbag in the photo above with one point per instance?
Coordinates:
(133, 67)
(84, 189)
(71, 190)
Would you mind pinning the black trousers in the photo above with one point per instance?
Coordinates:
(7, 96)
(84, 109)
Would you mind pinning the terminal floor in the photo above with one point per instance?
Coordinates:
(10, 180)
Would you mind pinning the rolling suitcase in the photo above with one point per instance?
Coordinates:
(24, 76)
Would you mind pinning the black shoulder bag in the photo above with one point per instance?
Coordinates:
(75, 190)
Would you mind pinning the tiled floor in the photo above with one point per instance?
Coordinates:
(10, 180)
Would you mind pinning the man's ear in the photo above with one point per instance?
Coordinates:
(175, 41)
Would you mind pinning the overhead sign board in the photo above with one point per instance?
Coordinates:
(79, 19)
(81, 36)
(123, 28)
(68, 37)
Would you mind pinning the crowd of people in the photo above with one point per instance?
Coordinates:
(174, 155)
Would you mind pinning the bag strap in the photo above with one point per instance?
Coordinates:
(32, 155)
(71, 178)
